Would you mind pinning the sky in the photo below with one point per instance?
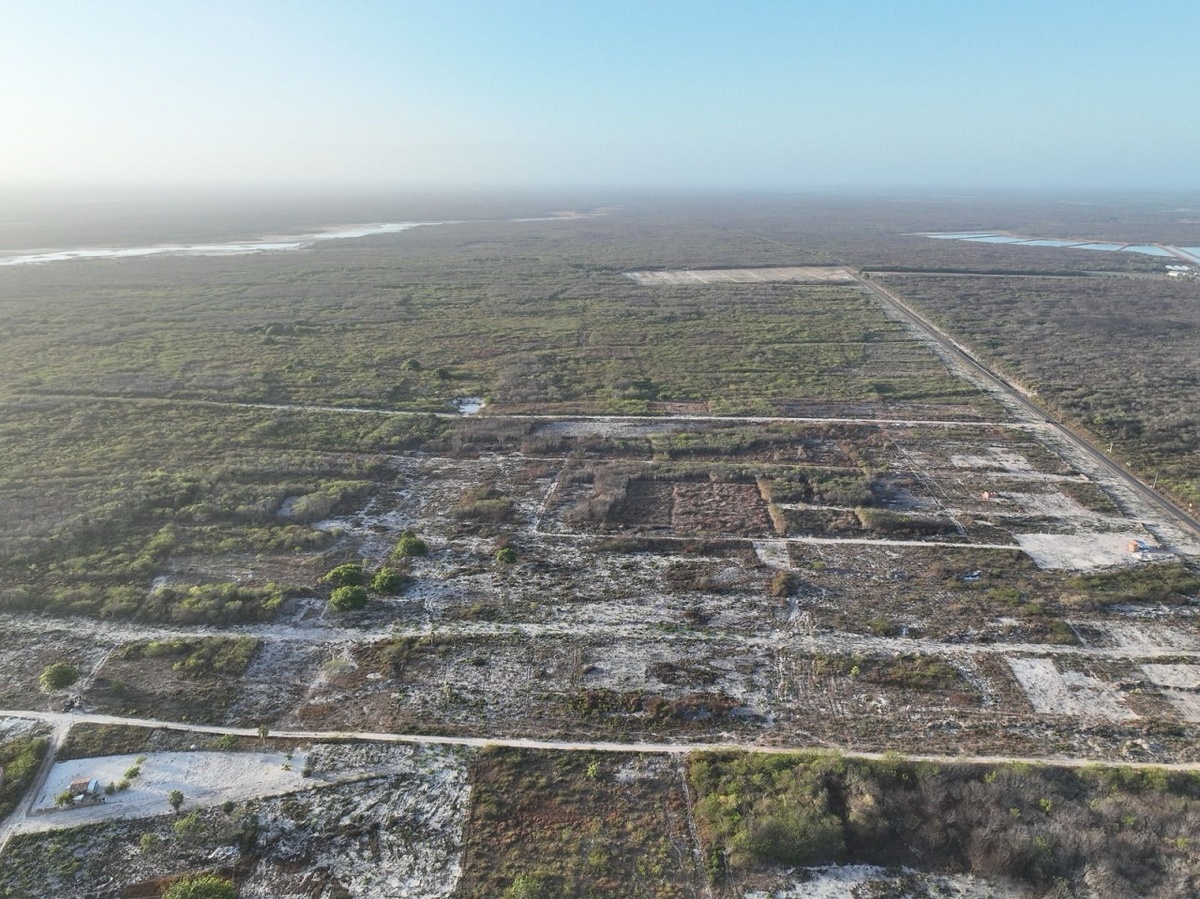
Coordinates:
(759, 94)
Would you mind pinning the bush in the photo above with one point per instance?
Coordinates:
(389, 580)
(506, 555)
(783, 584)
(410, 545)
(525, 886)
(348, 599)
(58, 676)
(203, 886)
(349, 575)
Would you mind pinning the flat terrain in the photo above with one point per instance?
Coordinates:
(719, 493)
(741, 275)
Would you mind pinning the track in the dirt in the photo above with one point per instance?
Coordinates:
(916, 320)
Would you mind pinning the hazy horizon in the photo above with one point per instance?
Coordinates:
(872, 96)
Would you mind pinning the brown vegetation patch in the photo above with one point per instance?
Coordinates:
(717, 508)
(577, 825)
(177, 680)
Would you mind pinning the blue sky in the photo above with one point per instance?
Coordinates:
(779, 95)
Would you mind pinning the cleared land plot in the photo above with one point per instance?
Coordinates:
(1054, 692)
(1180, 684)
(205, 778)
(1081, 552)
(396, 829)
(799, 274)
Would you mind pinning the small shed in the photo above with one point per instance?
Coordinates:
(84, 790)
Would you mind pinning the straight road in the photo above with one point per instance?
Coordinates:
(62, 721)
(1022, 398)
(65, 719)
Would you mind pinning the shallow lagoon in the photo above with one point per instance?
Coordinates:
(232, 248)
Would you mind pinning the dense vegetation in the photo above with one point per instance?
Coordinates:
(19, 759)
(1116, 832)
(1118, 357)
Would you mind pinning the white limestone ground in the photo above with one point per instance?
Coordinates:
(1149, 636)
(997, 459)
(1180, 684)
(1052, 692)
(773, 553)
(392, 837)
(1082, 551)
(204, 778)
(839, 882)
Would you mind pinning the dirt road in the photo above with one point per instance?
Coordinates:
(1022, 398)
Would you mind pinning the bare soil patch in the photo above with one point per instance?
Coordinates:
(1054, 692)
(796, 274)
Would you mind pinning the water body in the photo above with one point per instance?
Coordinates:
(468, 405)
(232, 248)
(1146, 249)
(1046, 242)
(1017, 240)
(972, 235)
(1109, 247)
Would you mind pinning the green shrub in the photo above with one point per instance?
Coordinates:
(389, 580)
(526, 886)
(349, 575)
(58, 676)
(348, 599)
(410, 545)
(506, 555)
(204, 886)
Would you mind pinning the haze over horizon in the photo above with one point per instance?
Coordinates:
(869, 95)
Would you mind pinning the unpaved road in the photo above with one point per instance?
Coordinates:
(827, 642)
(547, 417)
(25, 806)
(1021, 398)
(61, 721)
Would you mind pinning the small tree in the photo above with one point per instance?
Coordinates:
(348, 599)
(506, 555)
(175, 799)
(58, 676)
(202, 886)
(263, 732)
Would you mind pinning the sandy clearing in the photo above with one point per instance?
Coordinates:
(1148, 636)
(204, 778)
(1180, 677)
(773, 553)
(997, 458)
(1051, 505)
(741, 275)
(838, 882)
(1082, 552)
(1052, 692)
